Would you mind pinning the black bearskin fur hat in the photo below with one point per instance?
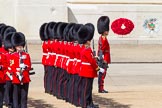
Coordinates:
(60, 30)
(49, 30)
(73, 31)
(41, 32)
(55, 30)
(18, 39)
(103, 24)
(9, 30)
(7, 41)
(83, 34)
(66, 32)
(2, 30)
(91, 30)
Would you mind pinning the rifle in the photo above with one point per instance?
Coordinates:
(94, 52)
(101, 62)
(21, 67)
(26, 46)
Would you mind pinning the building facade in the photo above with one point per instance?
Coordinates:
(145, 15)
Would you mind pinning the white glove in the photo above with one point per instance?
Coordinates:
(11, 78)
(102, 70)
(22, 65)
(20, 77)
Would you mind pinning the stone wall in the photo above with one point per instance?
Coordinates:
(137, 11)
(28, 15)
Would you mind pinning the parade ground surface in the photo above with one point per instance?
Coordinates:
(134, 79)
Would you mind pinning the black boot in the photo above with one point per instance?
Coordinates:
(102, 91)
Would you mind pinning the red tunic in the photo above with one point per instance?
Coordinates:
(9, 64)
(78, 53)
(53, 53)
(58, 54)
(71, 58)
(3, 64)
(45, 52)
(103, 44)
(16, 68)
(88, 66)
(2, 49)
(74, 53)
(64, 55)
(50, 53)
(66, 61)
(77, 61)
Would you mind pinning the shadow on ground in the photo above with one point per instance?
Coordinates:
(108, 103)
(33, 103)
(101, 101)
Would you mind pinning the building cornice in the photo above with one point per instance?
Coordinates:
(159, 2)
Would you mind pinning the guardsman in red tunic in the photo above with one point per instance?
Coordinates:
(103, 49)
(3, 27)
(67, 45)
(61, 58)
(3, 67)
(9, 87)
(49, 33)
(20, 68)
(74, 73)
(44, 39)
(58, 59)
(89, 67)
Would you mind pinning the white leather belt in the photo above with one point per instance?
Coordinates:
(85, 63)
(45, 54)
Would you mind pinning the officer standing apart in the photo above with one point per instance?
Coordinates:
(103, 50)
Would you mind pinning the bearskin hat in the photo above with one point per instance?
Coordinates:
(1, 25)
(0, 41)
(73, 31)
(49, 30)
(9, 30)
(83, 34)
(103, 24)
(18, 39)
(7, 41)
(43, 37)
(60, 30)
(91, 30)
(66, 32)
(55, 30)
(3, 28)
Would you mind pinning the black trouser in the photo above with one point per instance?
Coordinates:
(8, 93)
(1, 94)
(65, 86)
(57, 81)
(79, 91)
(61, 84)
(54, 81)
(45, 76)
(76, 86)
(60, 79)
(20, 94)
(86, 93)
(48, 79)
